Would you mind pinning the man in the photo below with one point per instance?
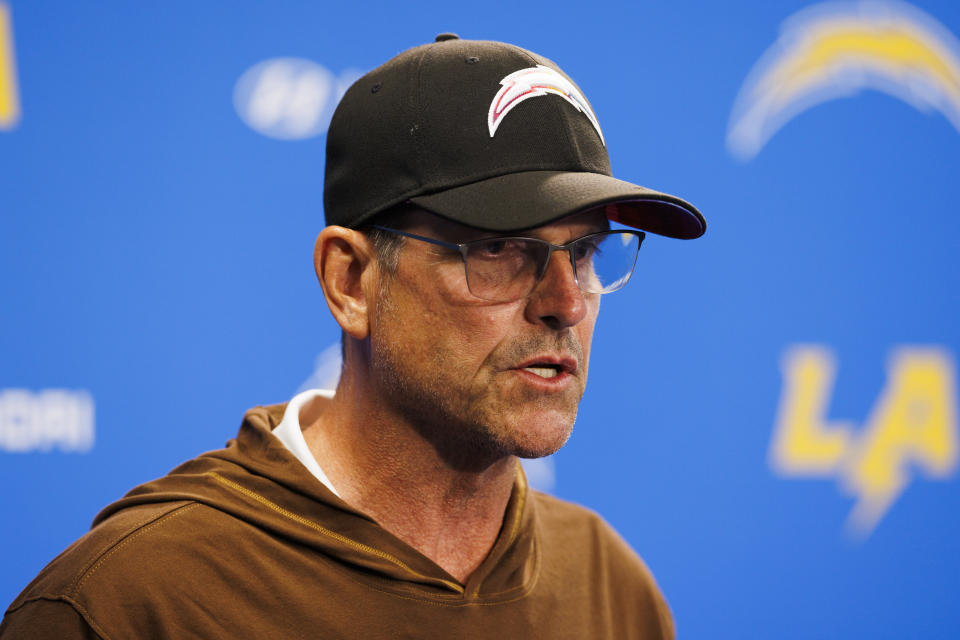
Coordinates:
(469, 206)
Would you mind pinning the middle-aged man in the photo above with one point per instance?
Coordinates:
(470, 209)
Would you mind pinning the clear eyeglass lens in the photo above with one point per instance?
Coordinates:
(605, 262)
(505, 269)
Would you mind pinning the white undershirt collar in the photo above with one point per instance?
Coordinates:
(290, 433)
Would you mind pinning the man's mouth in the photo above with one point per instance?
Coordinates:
(544, 371)
(550, 367)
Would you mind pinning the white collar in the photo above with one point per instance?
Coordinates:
(290, 433)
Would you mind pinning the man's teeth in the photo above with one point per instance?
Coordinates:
(543, 372)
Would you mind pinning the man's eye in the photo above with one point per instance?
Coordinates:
(584, 250)
(493, 247)
(496, 247)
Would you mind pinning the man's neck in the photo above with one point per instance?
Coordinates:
(381, 466)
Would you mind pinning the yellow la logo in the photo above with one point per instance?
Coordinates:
(913, 424)
(9, 100)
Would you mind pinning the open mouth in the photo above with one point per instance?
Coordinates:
(545, 370)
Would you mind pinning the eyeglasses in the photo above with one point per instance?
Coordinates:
(508, 269)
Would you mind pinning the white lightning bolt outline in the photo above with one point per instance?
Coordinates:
(531, 83)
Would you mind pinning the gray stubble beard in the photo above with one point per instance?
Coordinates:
(461, 434)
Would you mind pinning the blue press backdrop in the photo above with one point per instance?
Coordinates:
(155, 264)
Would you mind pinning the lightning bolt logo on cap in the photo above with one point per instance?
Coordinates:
(531, 83)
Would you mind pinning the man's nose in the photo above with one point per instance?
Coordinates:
(557, 300)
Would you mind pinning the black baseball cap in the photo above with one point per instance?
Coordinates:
(485, 134)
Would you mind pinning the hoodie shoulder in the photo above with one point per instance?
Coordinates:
(580, 544)
(583, 531)
(48, 620)
(102, 545)
(104, 551)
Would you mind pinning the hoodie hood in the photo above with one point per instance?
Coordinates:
(258, 481)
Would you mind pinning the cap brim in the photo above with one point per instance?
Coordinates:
(529, 199)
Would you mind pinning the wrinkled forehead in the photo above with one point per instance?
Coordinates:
(417, 220)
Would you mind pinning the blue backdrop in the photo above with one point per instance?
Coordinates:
(771, 417)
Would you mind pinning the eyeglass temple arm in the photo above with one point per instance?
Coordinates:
(448, 245)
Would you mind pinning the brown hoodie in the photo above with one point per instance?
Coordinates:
(245, 543)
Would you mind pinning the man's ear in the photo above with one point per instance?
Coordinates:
(343, 259)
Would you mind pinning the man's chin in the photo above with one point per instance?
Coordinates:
(539, 437)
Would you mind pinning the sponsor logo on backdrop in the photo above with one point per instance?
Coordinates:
(41, 421)
(326, 370)
(541, 472)
(290, 98)
(911, 429)
(837, 49)
(9, 95)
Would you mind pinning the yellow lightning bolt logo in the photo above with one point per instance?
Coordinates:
(912, 426)
(834, 50)
(9, 99)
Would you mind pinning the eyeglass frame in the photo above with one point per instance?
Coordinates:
(462, 248)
